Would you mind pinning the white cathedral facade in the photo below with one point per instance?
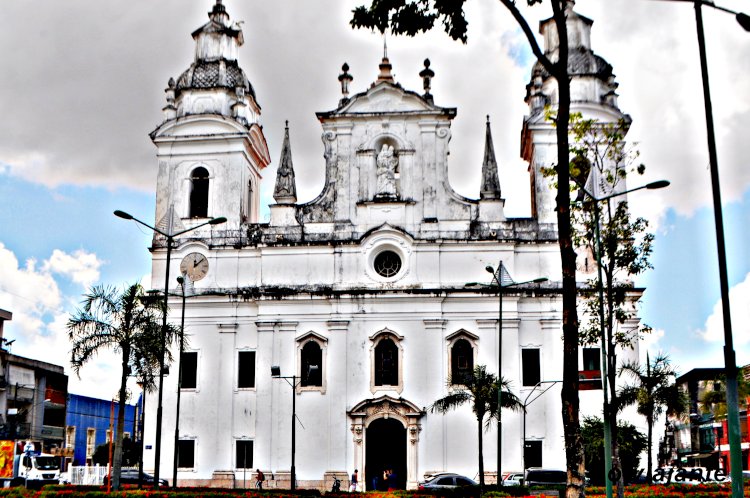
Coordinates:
(360, 293)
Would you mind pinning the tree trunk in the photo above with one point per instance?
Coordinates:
(117, 458)
(616, 463)
(612, 381)
(650, 422)
(481, 456)
(574, 455)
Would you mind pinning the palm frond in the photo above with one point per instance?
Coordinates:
(450, 402)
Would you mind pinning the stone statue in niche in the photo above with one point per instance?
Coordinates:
(386, 171)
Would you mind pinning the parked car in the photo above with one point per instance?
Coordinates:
(446, 480)
(130, 476)
(536, 476)
(512, 479)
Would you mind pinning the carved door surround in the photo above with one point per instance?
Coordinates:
(406, 412)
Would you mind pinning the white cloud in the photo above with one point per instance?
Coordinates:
(82, 267)
(739, 300)
(40, 315)
(650, 343)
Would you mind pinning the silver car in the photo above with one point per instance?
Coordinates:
(447, 480)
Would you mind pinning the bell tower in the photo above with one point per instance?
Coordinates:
(592, 94)
(210, 146)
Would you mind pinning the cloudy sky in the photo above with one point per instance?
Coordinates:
(83, 85)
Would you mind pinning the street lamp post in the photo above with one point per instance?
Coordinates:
(730, 364)
(276, 374)
(503, 280)
(605, 338)
(181, 280)
(526, 403)
(170, 238)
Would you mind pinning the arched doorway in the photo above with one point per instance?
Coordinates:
(385, 433)
(385, 447)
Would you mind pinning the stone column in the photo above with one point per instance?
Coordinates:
(358, 437)
(412, 454)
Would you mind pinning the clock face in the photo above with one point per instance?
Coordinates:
(194, 265)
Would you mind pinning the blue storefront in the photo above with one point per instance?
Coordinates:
(87, 424)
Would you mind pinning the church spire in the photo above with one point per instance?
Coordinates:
(490, 181)
(385, 66)
(285, 191)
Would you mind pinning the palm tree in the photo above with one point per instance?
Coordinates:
(127, 322)
(655, 392)
(480, 389)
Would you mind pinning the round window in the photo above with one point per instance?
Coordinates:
(387, 264)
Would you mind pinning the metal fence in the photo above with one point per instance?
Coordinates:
(88, 474)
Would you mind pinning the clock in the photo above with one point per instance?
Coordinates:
(194, 265)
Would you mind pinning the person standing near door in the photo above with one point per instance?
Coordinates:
(354, 481)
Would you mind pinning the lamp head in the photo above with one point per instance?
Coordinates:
(123, 215)
(217, 221)
(658, 184)
(275, 371)
(180, 280)
(743, 20)
(489, 269)
(540, 280)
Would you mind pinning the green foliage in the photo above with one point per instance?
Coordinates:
(631, 443)
(480, 389)
(600, 164)
(127, 322)
(409, 18)
(654, 392)
(714, 401)
(653, 389)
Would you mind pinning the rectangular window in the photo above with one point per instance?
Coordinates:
(592, 359)
(90, 442)
(246, 369)
(108, 436)
(189, 370)
(70, 436)
(186, 454)
(244, 455)
(533, 453)
(531, 367)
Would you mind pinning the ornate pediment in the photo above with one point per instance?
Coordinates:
(386, 406)
(386, 97)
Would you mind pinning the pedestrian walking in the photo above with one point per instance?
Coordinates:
(354, 481)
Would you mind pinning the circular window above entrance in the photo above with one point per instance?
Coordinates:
(387, 263)
(386, 258)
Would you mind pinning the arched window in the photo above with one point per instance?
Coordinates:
(312, 356)
(199, 193)
(462, 361)
(386, 363)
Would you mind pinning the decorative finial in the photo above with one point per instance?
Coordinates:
(345, 78)
(488, 119)
(385, 67)
(427, 74)
(385, 48)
